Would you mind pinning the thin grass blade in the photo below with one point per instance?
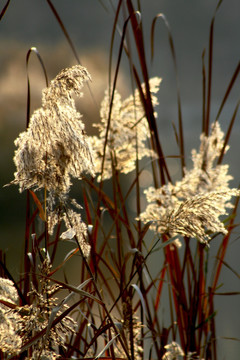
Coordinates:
(4, 9)
(106, 347)
(171, 43)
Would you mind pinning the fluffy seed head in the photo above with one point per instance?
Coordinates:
(54, 146)
(128, 132)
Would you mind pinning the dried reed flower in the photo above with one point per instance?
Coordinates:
(128, 132)
(54, 146)
(76, 228)
(132, 327)
(137, 337)
(44, 355)
(136, 327)
(7, 290)
(193, 205)
(174, 352)
(197, 215)
(206, 174)
(193, 356)
(192, 217)
(10, 341)
(35, 317)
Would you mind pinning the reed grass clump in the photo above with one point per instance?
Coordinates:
(125, 304)
(54, 148)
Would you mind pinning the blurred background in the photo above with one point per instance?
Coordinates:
(30, 23)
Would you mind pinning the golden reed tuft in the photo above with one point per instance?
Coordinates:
(193, 205)
(54, 147)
